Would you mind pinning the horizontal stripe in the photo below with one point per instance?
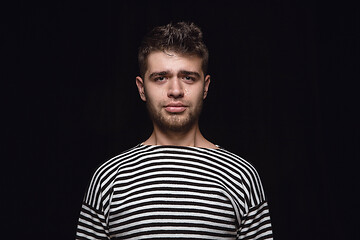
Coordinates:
(173, 215)
(176, 231)
(174, 192)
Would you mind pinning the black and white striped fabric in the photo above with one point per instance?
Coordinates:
(174, 192)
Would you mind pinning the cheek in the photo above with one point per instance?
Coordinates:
(193, 91)
(196, 95)
(156, 96)
(154, 93)
(186, 92)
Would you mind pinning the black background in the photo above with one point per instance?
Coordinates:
(284, 95)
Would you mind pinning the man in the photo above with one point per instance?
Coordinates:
(176, 184)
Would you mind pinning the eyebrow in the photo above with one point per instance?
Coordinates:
(184, 72)
(163, 73)
(181, 72)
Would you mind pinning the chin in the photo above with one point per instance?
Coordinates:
(177, 124)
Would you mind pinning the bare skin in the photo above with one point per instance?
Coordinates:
(174, 87)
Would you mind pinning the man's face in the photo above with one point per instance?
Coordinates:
(173, 88)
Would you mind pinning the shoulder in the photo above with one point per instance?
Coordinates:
(112, 165)
(231, 160)
(104, 175)
(241, 163)
(249, 175)
(238, 172)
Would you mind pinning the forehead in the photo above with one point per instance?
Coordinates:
(173, 62)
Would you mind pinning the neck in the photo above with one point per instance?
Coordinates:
(192, 137)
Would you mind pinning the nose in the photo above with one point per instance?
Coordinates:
(175, 88)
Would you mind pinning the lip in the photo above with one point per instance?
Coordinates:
(175, 107)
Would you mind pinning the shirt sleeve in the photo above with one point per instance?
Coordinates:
(256, 224)
(92, 224)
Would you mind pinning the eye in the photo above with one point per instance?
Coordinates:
(159, 79)
(188, 78)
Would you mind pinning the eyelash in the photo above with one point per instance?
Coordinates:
(187, 78)
(190, 78)
(159, 78)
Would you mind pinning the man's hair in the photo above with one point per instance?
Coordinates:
(181, 37)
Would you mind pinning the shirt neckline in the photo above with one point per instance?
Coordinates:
(184, 147)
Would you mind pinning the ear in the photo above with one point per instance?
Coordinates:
(140, 86)
(206, 85)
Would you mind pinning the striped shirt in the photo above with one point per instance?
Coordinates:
(175, 192)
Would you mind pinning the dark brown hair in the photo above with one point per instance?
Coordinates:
(181, 37)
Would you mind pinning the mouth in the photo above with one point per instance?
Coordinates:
(175, 108)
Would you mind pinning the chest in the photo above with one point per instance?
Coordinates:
(164, 199)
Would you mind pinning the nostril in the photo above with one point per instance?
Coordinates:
(175, 90)
(176, 93)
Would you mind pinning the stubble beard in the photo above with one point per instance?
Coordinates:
(174, 122)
